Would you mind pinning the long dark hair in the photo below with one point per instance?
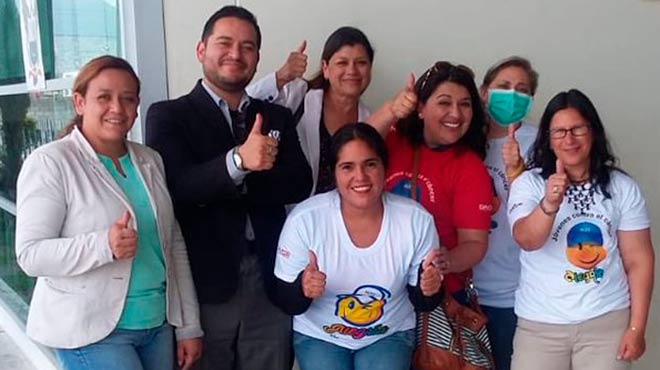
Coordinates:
(343, 36)
(89, 72)
(412, 127)
(601, 159)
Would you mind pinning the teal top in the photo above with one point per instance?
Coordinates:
(145, 302)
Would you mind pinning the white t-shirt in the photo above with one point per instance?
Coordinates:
(578, 273)
(365, 295)
(496, 276)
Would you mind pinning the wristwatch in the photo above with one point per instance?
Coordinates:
(238, 161)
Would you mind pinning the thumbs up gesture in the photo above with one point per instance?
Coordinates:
(122, 237)
(294, 67)
(406, 101)
(556, 187)
(511, 154)
(259, 151)
(430, 279)
(313, 280)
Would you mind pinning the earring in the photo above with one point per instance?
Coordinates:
(420, 115)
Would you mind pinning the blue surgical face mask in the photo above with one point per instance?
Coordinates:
(508, 106)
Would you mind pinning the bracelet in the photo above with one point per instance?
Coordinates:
(517, 172)
(549, 213)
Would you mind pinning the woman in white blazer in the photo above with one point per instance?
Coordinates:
(328, 101)
(95, 225)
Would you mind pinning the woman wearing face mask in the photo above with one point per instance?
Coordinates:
(95, 225)
(587, 257)
(328, 101)
(507, 91)
(352, 263)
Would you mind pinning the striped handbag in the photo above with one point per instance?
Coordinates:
(453, 337)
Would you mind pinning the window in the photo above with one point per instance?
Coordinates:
(72, 32)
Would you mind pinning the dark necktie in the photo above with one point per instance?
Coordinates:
(238, 126)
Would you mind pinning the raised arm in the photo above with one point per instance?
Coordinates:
(286, 86)
(399, 107)
(532, 231)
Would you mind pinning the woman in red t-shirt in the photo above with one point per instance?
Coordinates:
(440, 121)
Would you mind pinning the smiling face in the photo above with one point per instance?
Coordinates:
(573, 151)
(359, 176)
(108, 108)
(230, 54)
(447, 114)
(586, 255)
(348, 71)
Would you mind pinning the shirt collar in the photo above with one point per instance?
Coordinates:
(242, 106)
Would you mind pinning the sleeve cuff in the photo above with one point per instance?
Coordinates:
(236, 174)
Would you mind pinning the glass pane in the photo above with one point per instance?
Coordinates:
(83, 30)
(26, 122)
(11, 58)
(10, 273)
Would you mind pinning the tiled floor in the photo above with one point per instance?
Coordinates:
(11, 356)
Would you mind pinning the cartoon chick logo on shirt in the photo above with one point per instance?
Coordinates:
(585, 250)
(363, 307)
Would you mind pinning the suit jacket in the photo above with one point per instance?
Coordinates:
(66, 203)
(193, 137)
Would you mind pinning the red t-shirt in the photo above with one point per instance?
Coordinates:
(452, 184)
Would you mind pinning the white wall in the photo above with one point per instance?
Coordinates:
(606, 48)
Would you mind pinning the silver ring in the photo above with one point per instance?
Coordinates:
(555, 189)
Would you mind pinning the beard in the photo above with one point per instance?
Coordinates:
(232, 84)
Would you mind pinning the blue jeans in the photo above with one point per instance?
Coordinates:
(149, 349)
(501, 327)
(390, 353)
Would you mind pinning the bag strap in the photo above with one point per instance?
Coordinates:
(425, 328)
(415, 173)
(297, 115)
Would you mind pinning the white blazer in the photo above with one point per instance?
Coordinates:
(66, 203)
(291, 96)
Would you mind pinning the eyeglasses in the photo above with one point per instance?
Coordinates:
(560, 133)
(443, 66)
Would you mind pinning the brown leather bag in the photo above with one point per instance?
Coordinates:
(453, 337)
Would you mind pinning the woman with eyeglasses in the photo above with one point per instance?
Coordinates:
(507, 92)
(587, 257)
(440, 134)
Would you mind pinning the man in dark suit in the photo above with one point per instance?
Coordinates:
(232, 163)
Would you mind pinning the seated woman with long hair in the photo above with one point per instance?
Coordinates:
(354, 261)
